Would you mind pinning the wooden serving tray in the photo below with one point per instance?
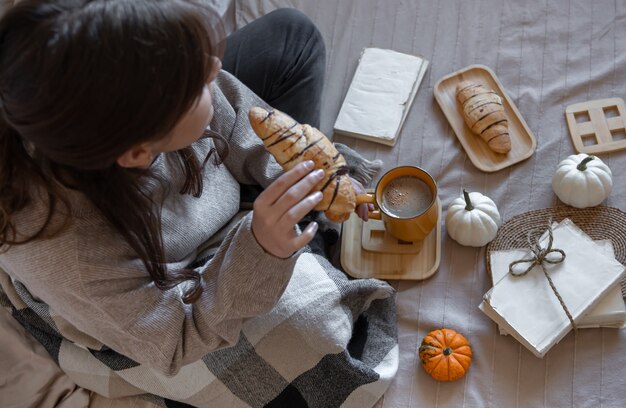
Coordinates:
(523, 142)
(360, 263)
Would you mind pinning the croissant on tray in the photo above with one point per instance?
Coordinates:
(291, 143)
(484, 115)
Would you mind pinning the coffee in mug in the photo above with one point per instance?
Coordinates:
(406, 197)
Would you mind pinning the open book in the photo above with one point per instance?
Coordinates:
(380, 95)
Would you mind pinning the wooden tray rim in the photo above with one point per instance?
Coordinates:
(470, 152)
(405, 276)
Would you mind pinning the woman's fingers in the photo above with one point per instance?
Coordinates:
(306, 236)
(297, 192)
(362, 212)
(283, 183)
(279, 208)
(300, 209)
(362, 209)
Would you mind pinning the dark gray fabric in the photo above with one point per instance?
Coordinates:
(237, 365)
(281, 57)
(334, 371)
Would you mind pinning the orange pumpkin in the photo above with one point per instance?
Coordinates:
(445, 355)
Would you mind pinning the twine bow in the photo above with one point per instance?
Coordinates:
(540, 255)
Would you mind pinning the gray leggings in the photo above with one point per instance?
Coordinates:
(282, 58)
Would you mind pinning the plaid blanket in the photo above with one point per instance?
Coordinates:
(330, 341)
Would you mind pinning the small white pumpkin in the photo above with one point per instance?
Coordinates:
(582, 181)
(472, 219)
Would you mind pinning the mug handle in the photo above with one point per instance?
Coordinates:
(368, 199)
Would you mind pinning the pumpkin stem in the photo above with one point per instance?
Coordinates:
(582, 166)
(447, 351)
(468, 203)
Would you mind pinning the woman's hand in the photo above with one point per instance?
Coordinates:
(361, 210)
(281, 205)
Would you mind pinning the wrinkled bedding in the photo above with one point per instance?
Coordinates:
(547, 55)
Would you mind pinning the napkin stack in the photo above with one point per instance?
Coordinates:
(380, 95)
(587, 281)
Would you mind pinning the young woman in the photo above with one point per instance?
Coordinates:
(124, 147)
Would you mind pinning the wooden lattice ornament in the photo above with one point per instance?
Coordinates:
(597, 126)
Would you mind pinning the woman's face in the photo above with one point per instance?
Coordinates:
(189, 128)
(193, 123)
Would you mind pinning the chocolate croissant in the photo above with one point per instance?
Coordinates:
(291, 143)
(484, 115)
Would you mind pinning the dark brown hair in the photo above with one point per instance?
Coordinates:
(81, 82)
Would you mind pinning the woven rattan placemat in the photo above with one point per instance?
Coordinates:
(597, 222)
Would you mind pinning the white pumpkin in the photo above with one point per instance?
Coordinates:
(582, 181)
(472, 219)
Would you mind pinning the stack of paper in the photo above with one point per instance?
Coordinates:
(609, 312)
(526, 307)
(380, 95)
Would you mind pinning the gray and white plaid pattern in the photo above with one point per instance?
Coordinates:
(330, 341)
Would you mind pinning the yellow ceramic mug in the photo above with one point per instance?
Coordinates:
(406, 228)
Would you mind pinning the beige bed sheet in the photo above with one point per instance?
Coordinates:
(28, 376)
(547, 55)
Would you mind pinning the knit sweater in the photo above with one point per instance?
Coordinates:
(98, 289)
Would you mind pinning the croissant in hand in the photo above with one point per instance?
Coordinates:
(484, 115)
(291, 143)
